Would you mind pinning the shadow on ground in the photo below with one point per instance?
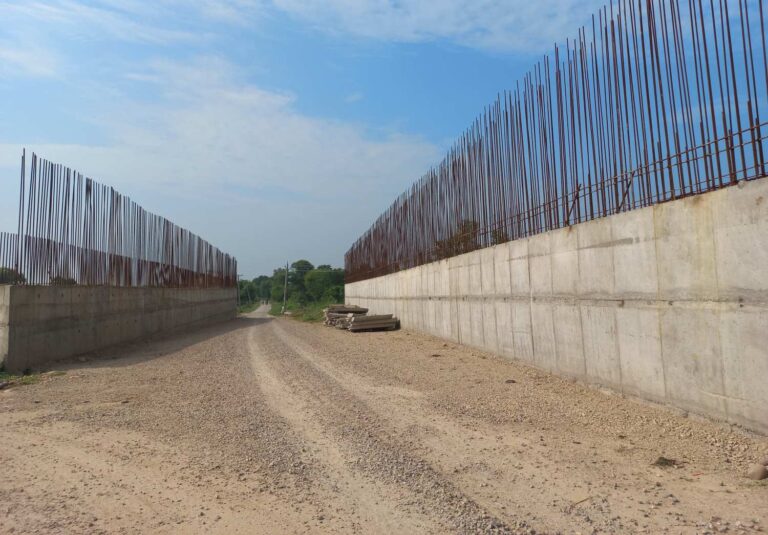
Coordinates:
(156, 346)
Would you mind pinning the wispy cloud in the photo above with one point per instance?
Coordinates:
(158, 22)
(18, 59)
(353, 97)
(513, 25)
(212, 123)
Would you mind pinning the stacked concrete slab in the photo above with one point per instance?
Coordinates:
(669, 303)
(40, 324)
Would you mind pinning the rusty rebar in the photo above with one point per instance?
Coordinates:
(74, 230)
(661, 101)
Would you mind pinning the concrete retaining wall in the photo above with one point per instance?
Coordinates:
(668, 303)
(40, 324)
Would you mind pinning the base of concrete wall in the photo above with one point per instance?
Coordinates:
(668, 303)
(40, 324)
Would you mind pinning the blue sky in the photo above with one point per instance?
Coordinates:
(275, 129)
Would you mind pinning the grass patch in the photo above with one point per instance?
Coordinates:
(249, 307)
(313, 312)
(310, 312)
(14, 380)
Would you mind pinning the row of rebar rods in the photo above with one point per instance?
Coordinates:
(654, 101)
(73, 230)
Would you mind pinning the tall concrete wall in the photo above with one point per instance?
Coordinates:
(668, 303)
(40, 324)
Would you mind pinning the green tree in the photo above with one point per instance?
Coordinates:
(297, 291)
(334, 294)
(263, 284)
(11, 276)
(463, 240)
(318, 281)
(309, 288)
(247, 291)
(276, 285)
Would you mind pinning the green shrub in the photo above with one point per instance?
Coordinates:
(63, 281)
(11, 276)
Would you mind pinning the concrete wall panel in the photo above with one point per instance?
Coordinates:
(543, 336)
(450, 321)
(522, 332)
(505, 340)
(475, 274)
(540, 265)
(634, 254)
(487, 268)
(685, 249)
(5, 299)
(639, 338)
(519, 276)
(601, 344)
(744, 341)
(595, 258)
(477, 327)
(490, 339)
(564, 255)
(693, 369)
(569, 344)
(740, 221)
(463, 322)
(501, 280)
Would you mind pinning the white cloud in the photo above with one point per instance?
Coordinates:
(26, 60)
(157, 22)
(211, 124)
(231, 149)
(513, 25)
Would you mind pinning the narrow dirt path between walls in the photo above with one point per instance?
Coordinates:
(264, 425)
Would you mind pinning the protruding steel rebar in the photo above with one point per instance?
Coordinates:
(73, 230)
(662, 101)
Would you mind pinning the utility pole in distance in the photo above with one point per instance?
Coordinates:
(285, 288)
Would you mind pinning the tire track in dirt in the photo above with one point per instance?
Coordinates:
(370, 446)
(375, 506)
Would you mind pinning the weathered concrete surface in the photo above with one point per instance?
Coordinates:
(668, 303)
(5, 292)
(40, 324)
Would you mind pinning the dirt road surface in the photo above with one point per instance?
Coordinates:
(265, 425)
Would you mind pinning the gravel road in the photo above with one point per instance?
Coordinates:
(265, 425)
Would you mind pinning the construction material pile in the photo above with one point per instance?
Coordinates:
(340, 315)
(381, 322)
(354, 318)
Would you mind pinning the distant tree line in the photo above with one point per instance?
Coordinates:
(307, 284)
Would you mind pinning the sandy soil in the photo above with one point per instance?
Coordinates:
(275, 426)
